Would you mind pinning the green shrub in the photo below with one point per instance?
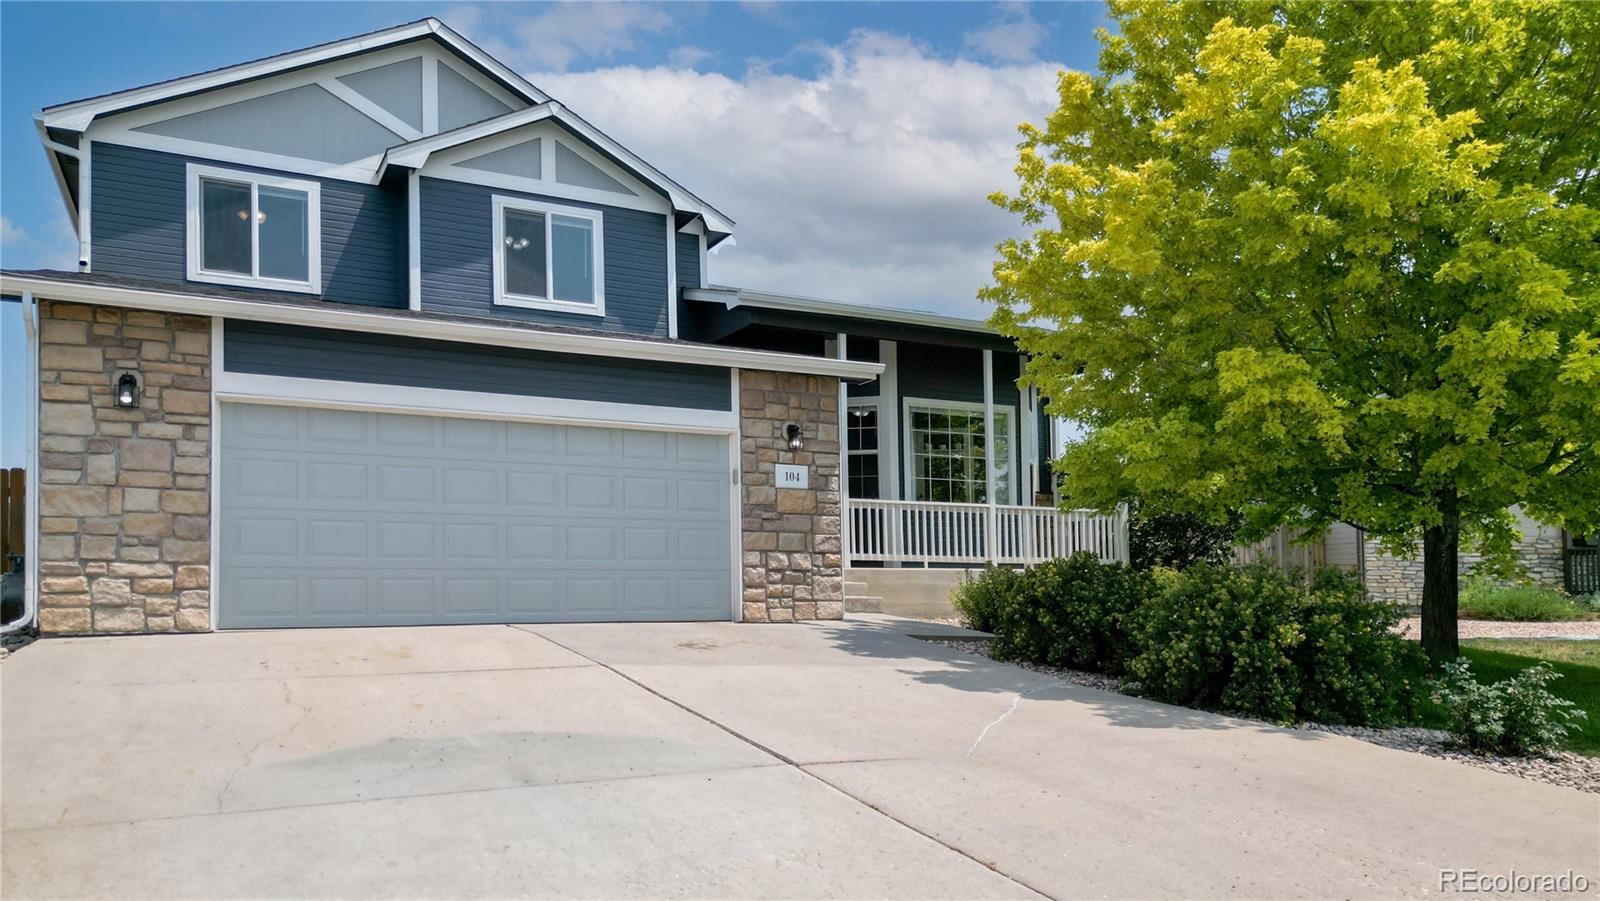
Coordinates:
(1073, 612)
(1481, 598)
(1252, 640)
(1517, 716)
(979, 597)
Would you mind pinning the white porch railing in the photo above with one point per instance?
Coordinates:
(930, 532)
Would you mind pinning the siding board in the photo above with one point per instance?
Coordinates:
(688, 260)
(457, 265)
(263, 348)
(138, 230)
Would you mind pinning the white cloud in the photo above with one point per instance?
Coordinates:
(567, 32)
(1012, 36)
(688, 56)
(866, 182)
(22, 249)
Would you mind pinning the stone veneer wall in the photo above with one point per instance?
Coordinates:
(125, 494)
(792, 564)
(1399, 580)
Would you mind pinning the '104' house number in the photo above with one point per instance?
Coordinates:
(787, 476)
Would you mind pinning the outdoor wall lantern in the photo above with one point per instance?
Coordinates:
(127, 390)
(795, 441)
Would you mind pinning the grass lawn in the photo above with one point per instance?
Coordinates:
(1578, 662)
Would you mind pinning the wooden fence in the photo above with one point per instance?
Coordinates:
(13, 514)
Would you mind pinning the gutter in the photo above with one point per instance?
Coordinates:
(30, 547)
(438, 330)
(739, 297)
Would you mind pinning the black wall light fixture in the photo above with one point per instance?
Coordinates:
(127, 390)
(793, 433)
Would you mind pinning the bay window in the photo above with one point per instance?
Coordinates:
(255, 230)
(548, 256)
(946, 451)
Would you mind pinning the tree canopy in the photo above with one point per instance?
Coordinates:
(1323, 261)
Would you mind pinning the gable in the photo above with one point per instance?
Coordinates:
(544, 158)
(305, 122)
(397, 87)
(334, 119)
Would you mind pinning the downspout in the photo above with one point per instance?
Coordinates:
(30, 563)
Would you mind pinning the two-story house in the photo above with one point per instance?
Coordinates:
(378, 333)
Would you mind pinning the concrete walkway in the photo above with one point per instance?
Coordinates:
(702, 760)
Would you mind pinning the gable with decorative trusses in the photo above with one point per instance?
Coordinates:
(334, 120)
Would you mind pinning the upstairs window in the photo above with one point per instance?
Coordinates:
(548, 257)
(259, 231)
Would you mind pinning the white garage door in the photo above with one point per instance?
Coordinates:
(340, 518)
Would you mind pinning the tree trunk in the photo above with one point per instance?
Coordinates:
(1441, 555)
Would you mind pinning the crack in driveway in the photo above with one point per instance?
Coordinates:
(249, 756)
(1009, 710)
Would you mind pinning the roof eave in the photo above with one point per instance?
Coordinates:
(471, 333)
(737, 297)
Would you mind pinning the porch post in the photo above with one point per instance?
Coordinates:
(845, 523)
(889, 422)
(991, 544)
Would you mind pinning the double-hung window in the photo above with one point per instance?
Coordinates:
(548, 256)
(947, 452)
(260, 231)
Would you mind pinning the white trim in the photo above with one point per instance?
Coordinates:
(339, 395)
(705, 276)
(85, 205)
(740, 297)
(430, 93)
(415, 154)
(907, 403)
(501, 205)
(218, 367)
(320, 316)
(77, 115)
(358, 101)
(53, 153)
(736, 513)
(889, 420)
(414, 240)
(841, 349)
(672, 279)
(988, 449)
(195, 172)
(450, 164)
(30, 476)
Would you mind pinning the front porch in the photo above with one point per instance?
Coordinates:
(928, 533)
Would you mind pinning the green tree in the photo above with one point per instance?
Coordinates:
(1324, 262)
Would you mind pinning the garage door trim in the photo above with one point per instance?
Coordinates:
(353, 396)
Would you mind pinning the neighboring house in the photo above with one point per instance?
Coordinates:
(378, 333)
(1547, 555)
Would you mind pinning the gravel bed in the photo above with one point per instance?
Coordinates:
(1484, 628)
(1562, 768)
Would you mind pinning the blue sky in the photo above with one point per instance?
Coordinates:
(853, 142)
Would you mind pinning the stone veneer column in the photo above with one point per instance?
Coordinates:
(792, 564)
(124, 494)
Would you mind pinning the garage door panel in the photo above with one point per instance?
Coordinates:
(346, 518)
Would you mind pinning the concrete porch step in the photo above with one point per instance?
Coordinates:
(862, 603)
(854, 587)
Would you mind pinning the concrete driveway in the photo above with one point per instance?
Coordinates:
(699, 760)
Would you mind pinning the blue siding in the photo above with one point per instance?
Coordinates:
(138, 229)
(457, 264)
(688, 260)
(932, 372)
(271, 349)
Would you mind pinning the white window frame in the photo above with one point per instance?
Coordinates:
(906, 445)
(256, 181)
(875, 404)
(501, 205)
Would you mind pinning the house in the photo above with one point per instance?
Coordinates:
(378, 333)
